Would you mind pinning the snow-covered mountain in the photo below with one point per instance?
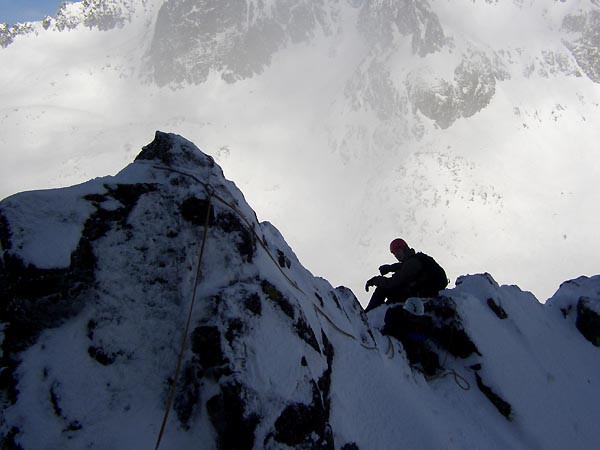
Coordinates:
(465, 127)
(98, 281)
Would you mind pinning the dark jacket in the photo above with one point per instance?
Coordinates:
(406, 273)
(409, 279)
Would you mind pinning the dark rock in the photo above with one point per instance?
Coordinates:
(7, 441)
(159, 150)
(320, 299)
(234, 330)
(195, 210)
(253, 304)
(501, 405)
(295, 424)
(187, 397)
(449, 331)
(231, 223)
(324, 382)
(278, 298)
(283, 260)
(36, 299)
(174, 151)
(306, 333)
(566, 311)
(305, 425)
(74, 425)
(226, 410)
(5, 234)
(498, 310)
(337, 302)
(101, 221)
(55, 402)
(350, 446)
(91, 326)
(588, 321)
(206, 344)
(101, 356)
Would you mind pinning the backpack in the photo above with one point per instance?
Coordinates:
(434, 277)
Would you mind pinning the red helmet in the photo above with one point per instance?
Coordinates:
(398, 244)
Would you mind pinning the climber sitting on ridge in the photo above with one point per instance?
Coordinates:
(415, 275)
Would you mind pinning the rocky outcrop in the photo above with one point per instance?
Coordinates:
(126, 290)
(579, 302)
(100, 14)
(8, 33)
(234, 38)
(379, 21)
(585, 48)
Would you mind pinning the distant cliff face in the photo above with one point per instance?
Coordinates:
(98, 281)
(234, 38)
(238, 40)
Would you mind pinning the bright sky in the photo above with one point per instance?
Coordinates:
(12, 11)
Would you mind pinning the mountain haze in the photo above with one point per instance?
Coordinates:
(464, 127)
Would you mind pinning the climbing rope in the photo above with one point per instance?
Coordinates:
(390, 351)
(210, 190)
(345, 333)
(213, 196)
(460, 381)
(250, 226)
(187, 325)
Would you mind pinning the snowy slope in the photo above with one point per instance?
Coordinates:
(465, 127)
(97, 281)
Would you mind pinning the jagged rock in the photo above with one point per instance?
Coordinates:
(585, 49)
(380, 20)
(101, 14)
(579, 302)
(497, 309)
(588, 320)
(8, 34)
(501, 405)
(238, 39)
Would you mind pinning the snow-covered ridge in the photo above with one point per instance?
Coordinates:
(99, 14)
(96, 282)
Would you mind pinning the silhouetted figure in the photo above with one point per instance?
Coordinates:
(414, 275)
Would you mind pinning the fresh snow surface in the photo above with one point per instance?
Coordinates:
(135, 309)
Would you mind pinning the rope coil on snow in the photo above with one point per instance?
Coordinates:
(463, 383)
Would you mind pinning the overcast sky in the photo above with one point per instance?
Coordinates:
(12, 11)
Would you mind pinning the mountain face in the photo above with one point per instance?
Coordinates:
(464, 127)
(98, 281)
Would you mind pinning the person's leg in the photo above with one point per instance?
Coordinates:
(377, 299)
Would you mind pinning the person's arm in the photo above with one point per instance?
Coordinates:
(387, 268)
(408, 273)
